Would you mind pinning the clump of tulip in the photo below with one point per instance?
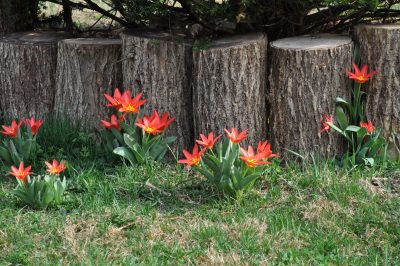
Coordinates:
(365, 143)
(144, 141)
(227, 165)
(19, 142)
(40, 191)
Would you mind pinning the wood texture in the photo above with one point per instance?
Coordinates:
(306, 75)
(28, 63)
(229, 84)
(163, 64)
(380, 50)
(86, 69)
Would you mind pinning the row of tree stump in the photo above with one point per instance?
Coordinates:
(228, 83)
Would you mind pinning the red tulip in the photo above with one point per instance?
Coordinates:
(368, 126)
(11, 131)
(154, 124)
(164, 120)
(55, 168)
(114, 100)
(22, 172)
(265, 148)
(328, 119)
(207, 142)
(193, 158)
(114, 123)
(128, 104)
(361, 76)
(236, 137)
(251, 159)
(33, 124)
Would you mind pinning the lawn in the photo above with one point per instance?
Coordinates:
(305, 213)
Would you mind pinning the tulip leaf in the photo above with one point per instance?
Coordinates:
(341, 117)
(126, 153)
(352, 128)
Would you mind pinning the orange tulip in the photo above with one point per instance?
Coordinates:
(22, 172)
(361, 76)
(114, 100)
(207, 142)
(114, 123)
(192, 159)
(55, 168)
(11, 131)
(265, 148)
(236, 137)
(33, 124)
(164, 120)
(328, 119)
(251, 159)
(154, 124)
(130, 105)
(368, 126)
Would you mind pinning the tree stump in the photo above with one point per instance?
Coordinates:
(380, 50)
(28, 63)
(86, 69)
(163, 65)
(306, 74)
(229, 85)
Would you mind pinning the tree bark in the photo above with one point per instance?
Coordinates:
(380, 50)
(28, 63)
(17, 15)
(306, 74)
(87, 68)
(163, 65)
(229, 85)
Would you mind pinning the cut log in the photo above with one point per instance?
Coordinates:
(306, 74)
(163, 65)
(28, 63)
(86, 69)
(229, 85)
(380, 50)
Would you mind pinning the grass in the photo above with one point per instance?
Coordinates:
(161, 214)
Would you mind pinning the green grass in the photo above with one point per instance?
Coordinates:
(161, 214)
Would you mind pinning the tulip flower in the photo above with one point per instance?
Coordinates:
(154, 124)
(114, 100)
(21, 173)
(368, 126)
(361, 76)
(236, 137)
(251, 159)
(265, 148)
(207, 142)
(192, 159)
(55, 168)
(328, 119)
(11, 131)
(130, 105)
(164, 120)
(114, 122)
(33, 124)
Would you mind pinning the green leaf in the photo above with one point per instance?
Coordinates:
(341, 118)
(126, 153)
(210, 163)
(352, 128)
(5, 155)
(248, 181)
